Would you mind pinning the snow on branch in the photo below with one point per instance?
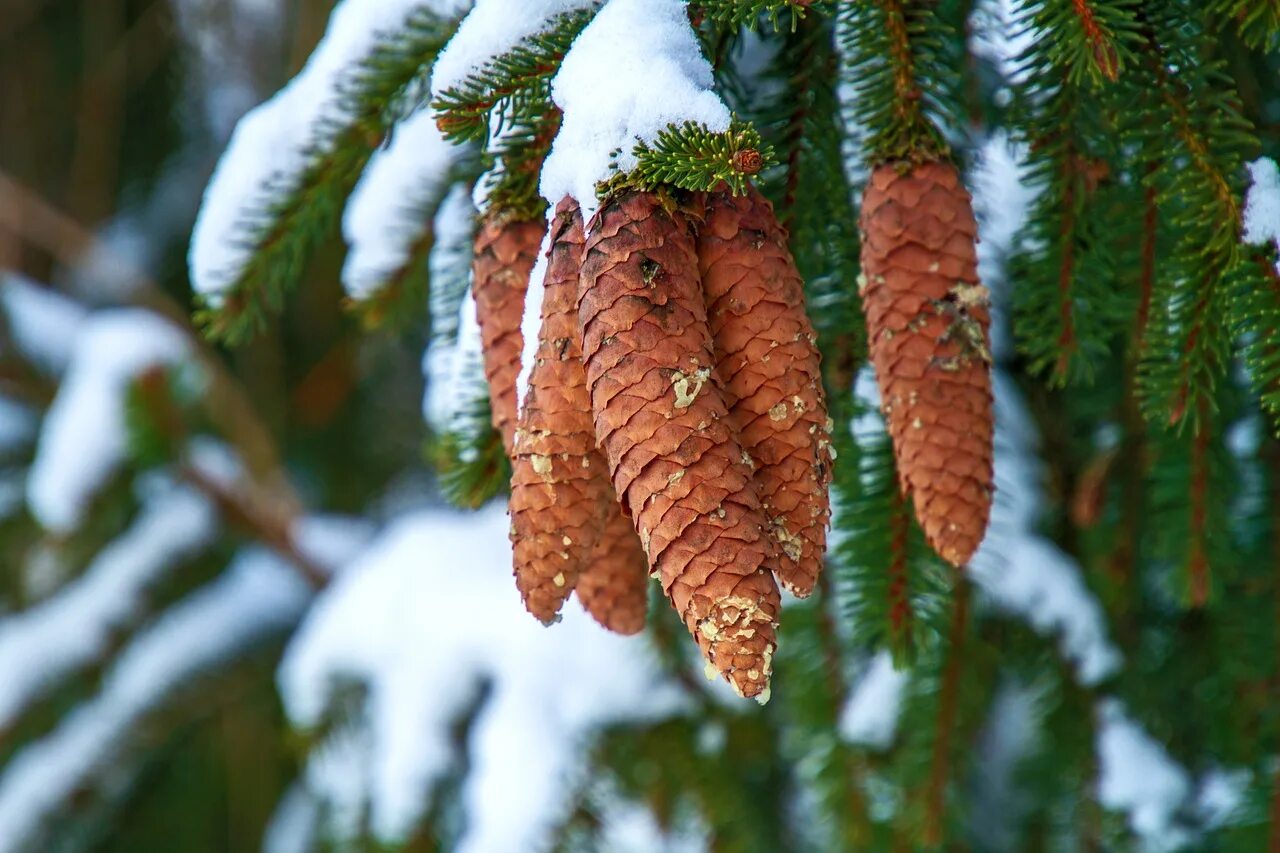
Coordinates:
(84, 438)
(256, 598)
(388, 216)
(293, 160)
(71, 630)
(1262, 204)
(870, 714)
(42, 324)
(633, 73)
(502, 48)
(421, 635)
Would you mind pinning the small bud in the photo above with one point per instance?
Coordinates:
(747, 161)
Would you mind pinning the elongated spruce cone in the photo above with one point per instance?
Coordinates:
(662, 422)
(768, 361)
(614, 587)
(505, 251)
(928, 324)
(560, 489)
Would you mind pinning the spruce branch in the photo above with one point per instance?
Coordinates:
(896, 55)
(749, 13)
(1092, 40)
(693, 157)
(294, 213)
(1258, 21)
(519, 76)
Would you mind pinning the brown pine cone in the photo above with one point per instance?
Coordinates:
(662, 422)
(560, 490)
(614, 586)
(928, 324)
(768, 361)
(505, 251)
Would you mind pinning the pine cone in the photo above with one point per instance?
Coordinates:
(768, 361)
(662, 422)
(614, 587)
(927, 319)
(505, 251)
(560, 491)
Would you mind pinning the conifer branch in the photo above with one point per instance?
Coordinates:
(519, 76)
(1258, 21)
(748, 13)
(894, 51)
(294, 214)
(948, 712)
(693, 157)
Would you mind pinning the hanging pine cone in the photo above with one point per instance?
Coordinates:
(927, 320)
(768, 362)
(505, 251)
(614, 586)
(560, 489)
(661, 420)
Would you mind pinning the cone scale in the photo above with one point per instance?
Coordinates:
(928, 327)
(768, 361)
(662, 422)
(614, 586)
(560, 491)
(505, 251)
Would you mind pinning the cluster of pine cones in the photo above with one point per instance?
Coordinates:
(674, 426)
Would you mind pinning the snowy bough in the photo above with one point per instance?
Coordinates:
(903, 362)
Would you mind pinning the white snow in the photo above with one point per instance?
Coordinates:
(65, 633)
(1220, 796)
(255, 597)
(83, 439)
(383, 218)
(42, 323)
(1137, 776)
(1262, 204)
(268, 146)
(531, 319)
(1026, 574)
(421, 618)
(449, 261)
(636, 69)
(492, 28)
(870, 716)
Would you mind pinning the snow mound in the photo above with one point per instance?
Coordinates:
(383, 220)
(1262, 203)
(269, 145)
(635, 70)
(1137, 776)
(42, 324)
(83, 439)
(425, 616)
(491, 29)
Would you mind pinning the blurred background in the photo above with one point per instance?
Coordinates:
(236, 612)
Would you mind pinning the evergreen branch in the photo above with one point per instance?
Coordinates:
(296, 212)
(465, 111)
(1258, 21)
(1092, 40)
(889, 584)
(1254, 285)
(939, 773)
(895, 54)
(693, 157)
(1202, 141)
(748, 13)
(469, 458)
(513, 162)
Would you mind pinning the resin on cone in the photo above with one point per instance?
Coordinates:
(662, 422)
(614, 586)
(505, 251)
(768, 362)
(560, 491)
(928, 327)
